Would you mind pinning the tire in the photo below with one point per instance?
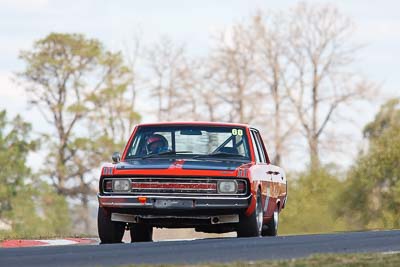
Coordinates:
(109, 232)
(251, 226)
(141, 233)
(271, 228)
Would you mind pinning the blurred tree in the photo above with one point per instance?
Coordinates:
(15, 145)
(372, 196)
(232, 75)
(171, 79)
(82, 91)
(387, 118)
(318, 80)
(269, 37)
(112, 105)
(133, 55)
(311, 204)
(292, 68)
(29, 206)
(39, 211)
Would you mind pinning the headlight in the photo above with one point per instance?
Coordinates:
(121, 185)
(227, 187)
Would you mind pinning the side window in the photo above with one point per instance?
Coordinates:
(260, 147)
(136, 145)
(255, 147)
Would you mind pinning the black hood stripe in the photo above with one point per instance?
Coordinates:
(188, 164)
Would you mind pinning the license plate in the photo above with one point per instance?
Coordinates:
(175, 203)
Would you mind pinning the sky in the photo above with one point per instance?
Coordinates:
(191, 22)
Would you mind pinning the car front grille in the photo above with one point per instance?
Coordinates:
(176, 186)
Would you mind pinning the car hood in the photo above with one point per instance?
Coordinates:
(185, 164)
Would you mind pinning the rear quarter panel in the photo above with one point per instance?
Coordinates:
(271, 180)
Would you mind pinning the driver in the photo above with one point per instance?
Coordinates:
(156, 143)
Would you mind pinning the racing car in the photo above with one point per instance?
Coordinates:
(213, 177)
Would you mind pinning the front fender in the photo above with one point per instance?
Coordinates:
(254, 186)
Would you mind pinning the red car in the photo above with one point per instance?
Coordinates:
(214, 177)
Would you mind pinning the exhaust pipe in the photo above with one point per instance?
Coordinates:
(225, 219)
(215, 220)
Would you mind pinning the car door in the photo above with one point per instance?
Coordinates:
(271, 185)
(260, 170)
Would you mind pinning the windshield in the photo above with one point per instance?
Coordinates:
(190, 142)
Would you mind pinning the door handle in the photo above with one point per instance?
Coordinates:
(271, 172)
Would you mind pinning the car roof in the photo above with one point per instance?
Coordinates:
(195, 123)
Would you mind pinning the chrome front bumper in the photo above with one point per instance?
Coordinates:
(173, 202)
(217, 219)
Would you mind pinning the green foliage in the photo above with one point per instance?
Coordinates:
(83, 91)
(59, 53)
(326, 260)
(370, 196)
(373, 185)
(29, 206)
(311, 203)
(39, 210)
(14, 148)
(387, 117)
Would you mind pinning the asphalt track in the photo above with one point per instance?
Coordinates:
(202, 250)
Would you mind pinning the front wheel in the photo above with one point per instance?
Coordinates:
(271, 228)
(109, 231)
(252, 226)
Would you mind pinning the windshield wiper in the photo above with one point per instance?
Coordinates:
(169, 152)
(219, 154)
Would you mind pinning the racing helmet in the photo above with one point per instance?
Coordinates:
(156, 143)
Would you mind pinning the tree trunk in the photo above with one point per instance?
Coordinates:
(277, 133)
(314, 154)
(85, 213)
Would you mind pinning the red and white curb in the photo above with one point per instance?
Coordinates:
(48, 242)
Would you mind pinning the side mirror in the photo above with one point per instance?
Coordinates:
(116, 157)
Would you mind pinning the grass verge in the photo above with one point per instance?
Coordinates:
(326, 260)
(9, 235)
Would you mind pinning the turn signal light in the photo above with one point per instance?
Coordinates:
(142, 200)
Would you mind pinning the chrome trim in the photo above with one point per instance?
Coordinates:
(189, 180)
(189, 183)
(117, 204)
(221, 219)
(173, 197)
(214, 219)
(201, 202)
(153, 188)
(120, 217)
(178, 195)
